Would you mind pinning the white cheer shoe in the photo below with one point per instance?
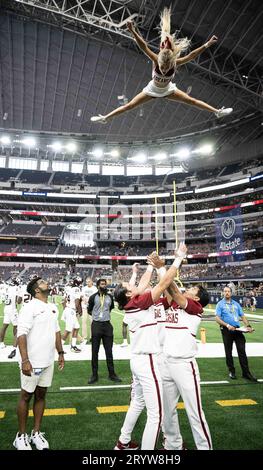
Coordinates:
(99, 118)
(223, 112)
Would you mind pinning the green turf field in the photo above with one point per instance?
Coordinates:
(237, 427)
(233, 428)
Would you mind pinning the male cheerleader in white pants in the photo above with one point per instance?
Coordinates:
(147, 387)
(181, 374)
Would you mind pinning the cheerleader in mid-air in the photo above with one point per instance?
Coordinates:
(165, 64)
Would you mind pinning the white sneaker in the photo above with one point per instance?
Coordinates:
(223, 112)
(39, 440)
(22, 442)
(99, 118)
(124, 344)
(2, 345)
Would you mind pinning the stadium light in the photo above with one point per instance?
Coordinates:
(159, 156)
(206, 149)
(97, 152)
(184, 152)
(56, 146)
(114, 153)
(29, 142)
(5, 140)
(139, 158)
(71, 147)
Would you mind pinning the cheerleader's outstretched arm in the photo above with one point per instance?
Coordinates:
(141, 42)
(196, 52)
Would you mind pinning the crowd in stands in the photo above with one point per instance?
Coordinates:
(42, 249)
(86, 250)
(7, 272)
(203, 231)
(121, 248)
(31, 229)
(7, 247)
(52, 231)
(258, 290)
(60, 274)
(220, 271)
(66, 250)
(34, 176)
(195, 272)
(57, 275)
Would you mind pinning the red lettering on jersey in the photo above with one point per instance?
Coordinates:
(157, 312)
(172, 315)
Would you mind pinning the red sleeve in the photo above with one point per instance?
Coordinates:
(193, 307)
(165, 302)
(143, 302)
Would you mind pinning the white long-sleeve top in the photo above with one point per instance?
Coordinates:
(140, 318)
(39, 322)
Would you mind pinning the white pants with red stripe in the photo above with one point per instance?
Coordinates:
(182, 378)
(146, 391)
(178, 440)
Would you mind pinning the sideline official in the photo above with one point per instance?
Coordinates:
(228, 316)
(100, 305)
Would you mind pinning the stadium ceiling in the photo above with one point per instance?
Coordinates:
(63, 61)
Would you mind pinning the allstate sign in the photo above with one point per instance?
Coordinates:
(229, 230)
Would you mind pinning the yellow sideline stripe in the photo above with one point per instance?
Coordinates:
(57, 412)
(2, 414)
(112, 409)
(180, 405)
(124, 408)
(236, 402)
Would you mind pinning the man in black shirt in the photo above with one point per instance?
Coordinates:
(100, 305)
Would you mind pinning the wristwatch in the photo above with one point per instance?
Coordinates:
(61, 352)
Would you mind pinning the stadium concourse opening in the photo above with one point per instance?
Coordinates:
(131, 253)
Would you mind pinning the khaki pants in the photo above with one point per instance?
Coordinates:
(44, 379)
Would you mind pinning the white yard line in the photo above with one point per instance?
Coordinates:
(208, 350)
(106, 387)
(95, 387)
(111, 387)
(214, 382)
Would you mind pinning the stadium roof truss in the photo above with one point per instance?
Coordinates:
(232, 68)
(110, 16)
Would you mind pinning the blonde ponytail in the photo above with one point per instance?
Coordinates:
(177, 45)
(166, 24)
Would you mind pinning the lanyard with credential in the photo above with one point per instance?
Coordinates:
(231, 308)
(102, 299)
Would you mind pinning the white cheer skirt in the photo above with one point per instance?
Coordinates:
(152, 90)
